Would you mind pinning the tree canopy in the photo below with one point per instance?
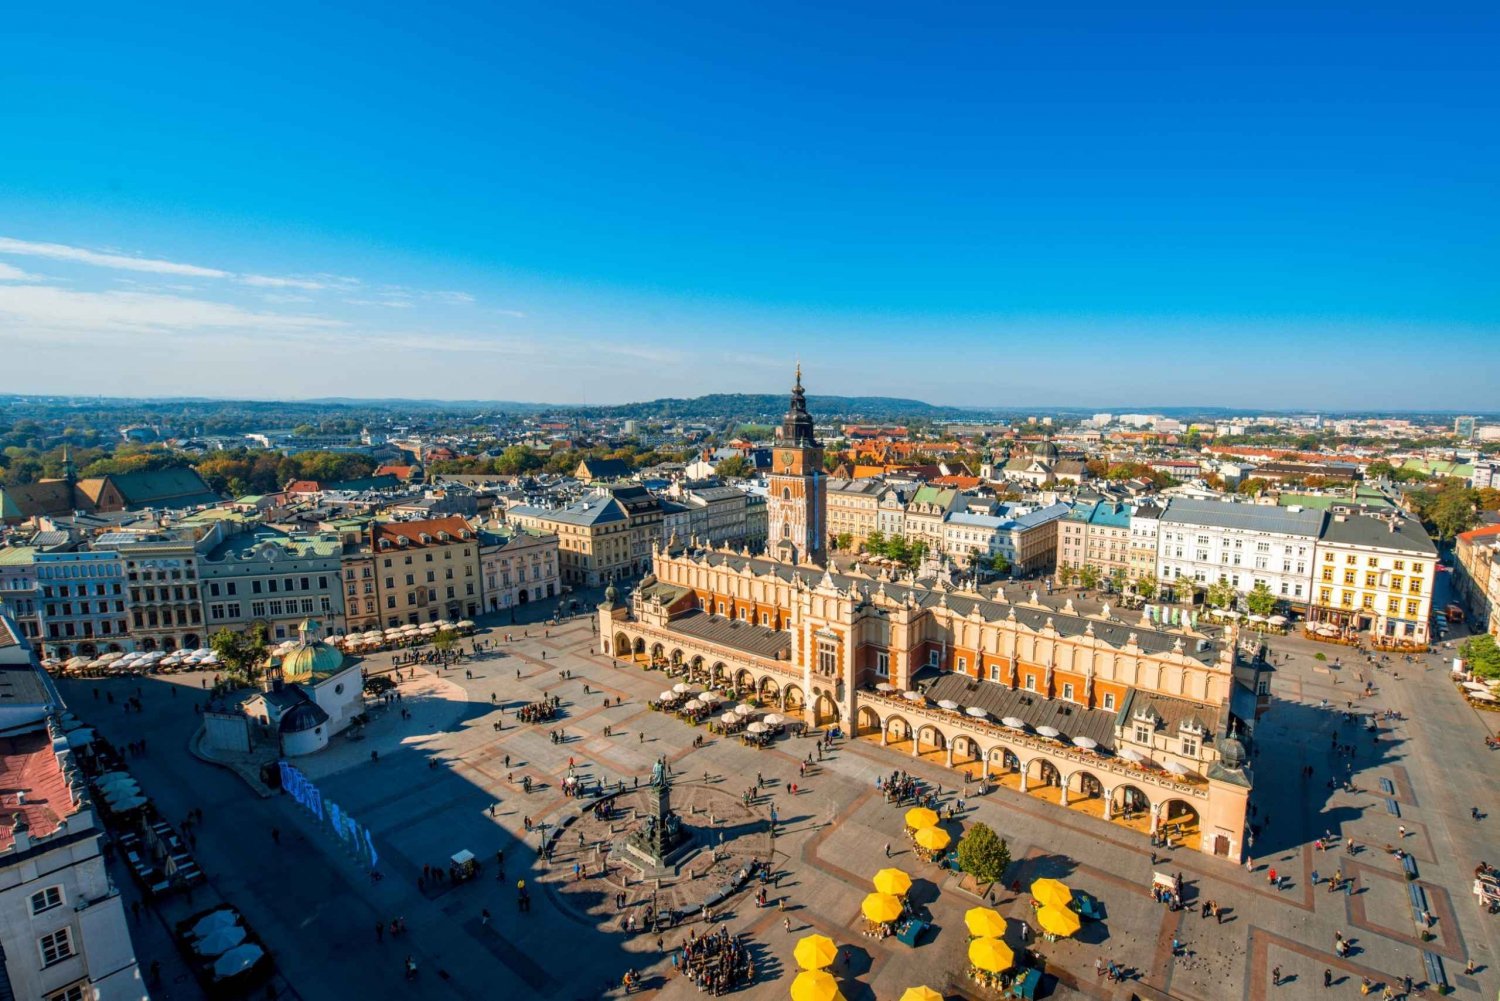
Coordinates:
(983, 854)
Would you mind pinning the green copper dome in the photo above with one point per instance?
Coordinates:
(311, 658)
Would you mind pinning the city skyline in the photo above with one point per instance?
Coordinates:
(996, 209)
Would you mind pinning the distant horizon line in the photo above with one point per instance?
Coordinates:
(976, 408)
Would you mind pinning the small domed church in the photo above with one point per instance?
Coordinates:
(311, 693)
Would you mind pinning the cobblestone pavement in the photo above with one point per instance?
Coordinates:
(317, 910)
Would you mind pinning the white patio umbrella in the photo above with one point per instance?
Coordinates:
(668, 696)
(757, 728)
(976, 712)
(947, 704)
(745, 709)
(1484, 697)
(1087, 743)
(133, 803)
(729, 719)
(1014, 723)
(682, 688)
(1131, 754)
(1177, 768)
(1048, 731)
(709, 699)
(214, 922)
(885, 686)
(219, 941)
(1231, 615)
(82, 737)
(1277, 620)
(914, 696)
(237, 960)
(772, 719)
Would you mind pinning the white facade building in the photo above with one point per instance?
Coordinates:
(1203, 541)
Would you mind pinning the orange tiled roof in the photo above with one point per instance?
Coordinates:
(28, 765)
(413, 531)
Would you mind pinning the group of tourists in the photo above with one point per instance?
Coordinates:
(717, 962)
(538, 712)
(899, 788)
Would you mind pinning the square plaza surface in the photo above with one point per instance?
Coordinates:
(442, 783)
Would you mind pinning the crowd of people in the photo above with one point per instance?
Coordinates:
(899, 788)
(717, 962)
(539, 712)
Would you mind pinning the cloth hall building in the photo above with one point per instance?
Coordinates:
(1101, 713)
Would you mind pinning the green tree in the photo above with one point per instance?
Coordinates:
(875, 542)
(1220, 594)
(1088, 576)
(444, 640)
(1260, 600)
(1379, 470)
(843, 542)
(1483, 656)
(1253, 487)
(999, 563)
(736, 467)
(1146, 586)
(242, 655)
(1456, 510)
(1118, 578)
(1066, 574)
(983, 854)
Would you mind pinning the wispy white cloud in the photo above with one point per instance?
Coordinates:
(456, 298)
(39, 309)
(11, 273)
(270, 281)
(105, 259)
(130, 262)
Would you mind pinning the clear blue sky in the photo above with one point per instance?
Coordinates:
(1284, 207)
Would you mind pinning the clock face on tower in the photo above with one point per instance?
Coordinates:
(786, 461)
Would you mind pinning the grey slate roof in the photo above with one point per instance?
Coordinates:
(1243, 517)
(742, 635)
(1068, 718)
(1115, 633)
(1370, 530)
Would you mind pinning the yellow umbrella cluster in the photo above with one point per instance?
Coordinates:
(892, 881)
(881, 907)
(1058, 921)
(919, 817)
(934, 839)
(815, 985)
(984, 922)
(991, 955)
(814, 952)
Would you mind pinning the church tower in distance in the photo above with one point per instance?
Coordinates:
(797, 510)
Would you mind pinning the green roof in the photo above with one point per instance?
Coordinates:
(12, 556)
(1440, 467)
(1322, 502)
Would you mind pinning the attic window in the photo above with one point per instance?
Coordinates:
(402, 541)
(1190, 725)
(426, 539)
(444, 537)
(1147, 715)
(385, 543)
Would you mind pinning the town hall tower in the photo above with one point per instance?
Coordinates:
(797, 509)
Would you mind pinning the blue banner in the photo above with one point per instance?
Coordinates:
(354, 838)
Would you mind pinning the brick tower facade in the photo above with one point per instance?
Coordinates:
(797, 510)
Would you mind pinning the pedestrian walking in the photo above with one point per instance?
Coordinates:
(1275, 976)
(1327, 978)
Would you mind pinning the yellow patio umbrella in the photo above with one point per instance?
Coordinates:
(813, 952)
(892, 881)
(814, 985)
(1051, 893)
(1058, 921)
(984, 922)
(934, 839)
(991, 955)
(921, 994)
(881, 907)
(919, 817)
